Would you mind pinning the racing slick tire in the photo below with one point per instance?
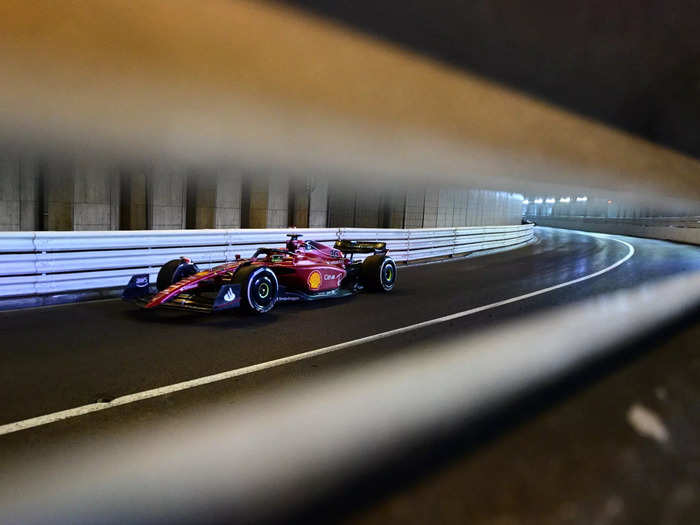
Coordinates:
(173, 271)
(259, 288)
(379, 273)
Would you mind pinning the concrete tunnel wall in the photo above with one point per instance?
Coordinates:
(411, 118)
(87, 196)
(617, 215)
(612, 207)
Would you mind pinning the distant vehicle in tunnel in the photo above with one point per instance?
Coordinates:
(303, 271)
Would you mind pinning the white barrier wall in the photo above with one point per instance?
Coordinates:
(42, 263)
(678, 229)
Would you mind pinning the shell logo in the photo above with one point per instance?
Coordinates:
(314, 280)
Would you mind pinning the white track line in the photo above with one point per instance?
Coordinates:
(184, 385)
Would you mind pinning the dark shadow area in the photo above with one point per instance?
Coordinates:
(632, 65)
(469, 438)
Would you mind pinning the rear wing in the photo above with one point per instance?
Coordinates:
(348, 246)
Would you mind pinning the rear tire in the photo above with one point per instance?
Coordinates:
(379, 273)
(259, 289)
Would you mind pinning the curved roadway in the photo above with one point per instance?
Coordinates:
(63, 357)
(59, 358)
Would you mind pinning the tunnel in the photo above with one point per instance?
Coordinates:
(318, 261)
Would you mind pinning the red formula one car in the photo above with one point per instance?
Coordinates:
(304, 271)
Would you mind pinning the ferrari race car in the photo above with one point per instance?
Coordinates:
(303, 271)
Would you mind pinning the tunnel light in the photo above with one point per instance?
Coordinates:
(609, 202)
(565, 199)
(538, 201)
(581, 199)
(526, 201)
(551, 200)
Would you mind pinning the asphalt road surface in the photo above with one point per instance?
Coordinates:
(58, 358)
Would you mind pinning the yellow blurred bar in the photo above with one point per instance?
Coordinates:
(257, 84)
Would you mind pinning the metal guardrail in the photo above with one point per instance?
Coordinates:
(678, 229)
(672, 222)
(40, 263)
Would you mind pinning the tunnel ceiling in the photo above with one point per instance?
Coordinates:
(630, 64)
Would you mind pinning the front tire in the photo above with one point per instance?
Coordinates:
(379, 273)
(173, 271)
(259, 289)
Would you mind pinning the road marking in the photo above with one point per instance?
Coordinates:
(185, 385)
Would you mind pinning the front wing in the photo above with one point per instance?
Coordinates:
(140, 292)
